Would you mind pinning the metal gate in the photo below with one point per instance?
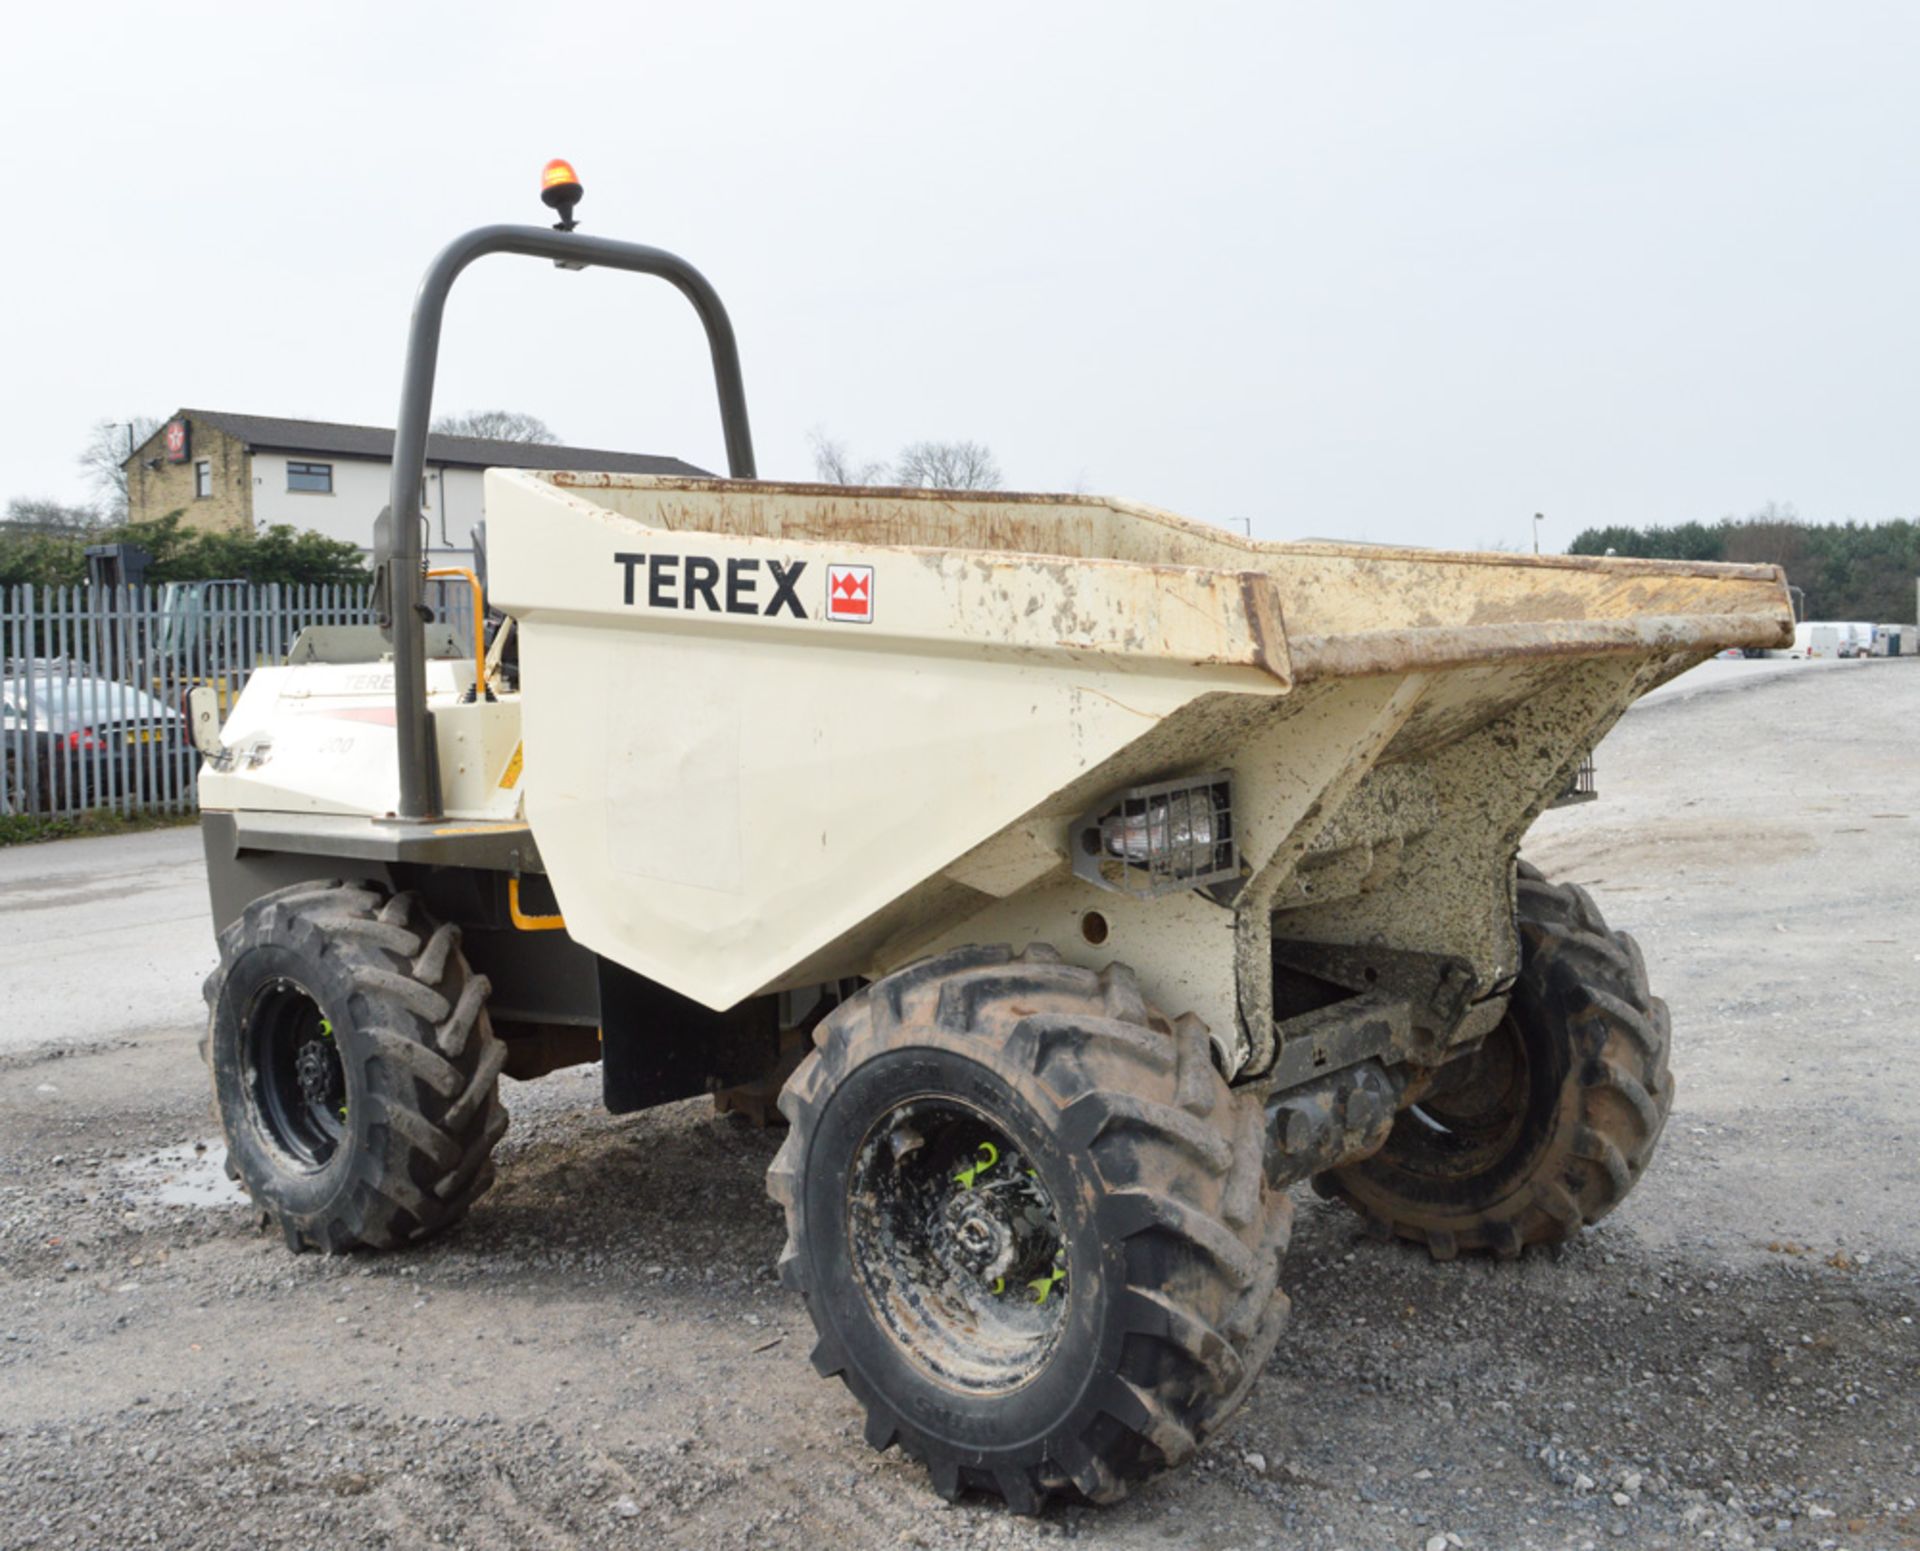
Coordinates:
(93, 681)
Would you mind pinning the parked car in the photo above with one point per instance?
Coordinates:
(69, 740)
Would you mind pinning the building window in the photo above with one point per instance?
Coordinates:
(202, 479)
(310, 476)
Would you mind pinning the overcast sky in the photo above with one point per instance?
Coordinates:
(1387, 271)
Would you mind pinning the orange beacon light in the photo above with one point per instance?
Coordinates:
(560, 191)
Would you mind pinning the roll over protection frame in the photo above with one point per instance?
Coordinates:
(569, 250)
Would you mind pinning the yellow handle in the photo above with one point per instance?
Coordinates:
(479, 625)
(527, 923)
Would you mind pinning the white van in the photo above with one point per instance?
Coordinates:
(1830, 639)
(1856, 639)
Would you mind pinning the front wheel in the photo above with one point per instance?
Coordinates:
(354, 1067)
(1545, 1128)
(1030, 1223)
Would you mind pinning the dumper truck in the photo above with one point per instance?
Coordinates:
(1096, 876)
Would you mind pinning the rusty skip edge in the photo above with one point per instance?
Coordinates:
(595, 479)
(1368, 652)
(1266, 645)
(1226, 538)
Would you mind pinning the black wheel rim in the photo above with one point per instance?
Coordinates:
(295, 1080)
(1474, 1115)
(956, 1242)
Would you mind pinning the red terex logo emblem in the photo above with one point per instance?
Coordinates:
(850, 593)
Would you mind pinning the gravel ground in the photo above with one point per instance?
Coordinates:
(602, 1356)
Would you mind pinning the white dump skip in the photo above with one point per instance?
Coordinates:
(741, 744)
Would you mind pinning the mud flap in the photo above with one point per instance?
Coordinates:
(658, 1046)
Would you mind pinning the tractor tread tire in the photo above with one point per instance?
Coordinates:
(1594, 982)
(1178, 1155)
(419, 1145)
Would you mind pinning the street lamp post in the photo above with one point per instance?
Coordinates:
(1538, 518)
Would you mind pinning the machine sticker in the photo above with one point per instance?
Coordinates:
(513, 768)
(697, 582)
(850, 593)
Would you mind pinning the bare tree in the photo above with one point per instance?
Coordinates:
(43, 514)
(498, 425)
(948, 466)
(103, 458)
(834, 464)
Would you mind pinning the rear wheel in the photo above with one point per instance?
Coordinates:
(1031, 1224)
(1545, 1128)
(354, 1067)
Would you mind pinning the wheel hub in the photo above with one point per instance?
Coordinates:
(981, 1241)
(297, 1087)
(318, 1070)
(958, 1245)
(1474, 1112)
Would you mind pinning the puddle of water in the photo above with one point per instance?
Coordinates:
(187, 1175)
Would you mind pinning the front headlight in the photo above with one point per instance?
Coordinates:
(1160, 839)
(1173, 829)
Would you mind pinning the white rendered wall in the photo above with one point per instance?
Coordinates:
(360, 489)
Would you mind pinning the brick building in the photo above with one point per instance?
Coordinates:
(249, 472)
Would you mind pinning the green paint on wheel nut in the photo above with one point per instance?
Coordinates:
(1043, 1285)
(988, 1154)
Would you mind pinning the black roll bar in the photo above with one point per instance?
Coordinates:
(569, 250)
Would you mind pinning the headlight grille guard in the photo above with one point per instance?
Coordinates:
(1165, 838)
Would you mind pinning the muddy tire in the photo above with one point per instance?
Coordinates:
(1545, 1129)
(354, 1068)
(1115, 1169)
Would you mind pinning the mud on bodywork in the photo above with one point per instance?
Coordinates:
(1034, 656)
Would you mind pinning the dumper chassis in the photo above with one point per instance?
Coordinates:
(1098, 877)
